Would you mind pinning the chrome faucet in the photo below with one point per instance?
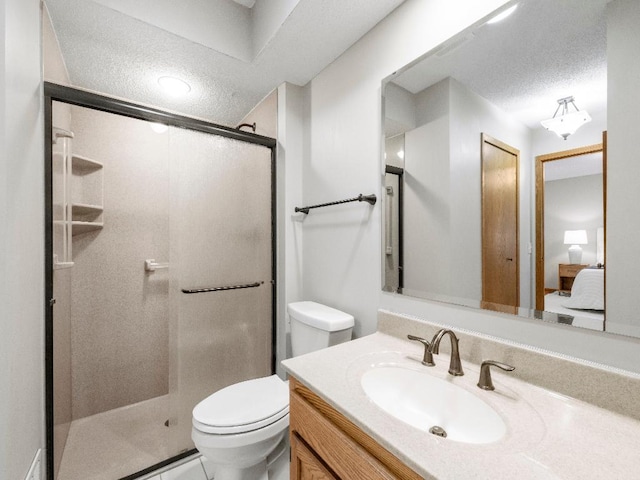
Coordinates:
(455, 366)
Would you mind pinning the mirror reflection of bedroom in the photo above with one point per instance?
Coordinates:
(571, 251)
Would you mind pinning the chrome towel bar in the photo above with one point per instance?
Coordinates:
(219, 289)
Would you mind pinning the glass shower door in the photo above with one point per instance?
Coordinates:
(221, 239)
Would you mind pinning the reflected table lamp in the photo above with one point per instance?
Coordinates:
(575, 238)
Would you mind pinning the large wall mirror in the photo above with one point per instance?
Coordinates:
(484, 206)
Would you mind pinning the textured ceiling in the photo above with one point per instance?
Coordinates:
(546, 50)
(113, 53)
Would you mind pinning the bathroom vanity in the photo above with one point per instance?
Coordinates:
(562, 418)
(327, 445)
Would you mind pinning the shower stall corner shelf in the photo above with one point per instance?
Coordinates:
(83, 164)
(88, 192)
(85, 209)
(78, 227)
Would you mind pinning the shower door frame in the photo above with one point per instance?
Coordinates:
(72, 96)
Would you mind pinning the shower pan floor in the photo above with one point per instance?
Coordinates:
(117, 443)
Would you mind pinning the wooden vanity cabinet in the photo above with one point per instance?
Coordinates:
(305, 465)
(325, 445)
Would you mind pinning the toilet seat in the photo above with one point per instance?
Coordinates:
(243, 407)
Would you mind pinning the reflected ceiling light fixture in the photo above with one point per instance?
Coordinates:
(502, 15)
(567, 122)
(174, 86)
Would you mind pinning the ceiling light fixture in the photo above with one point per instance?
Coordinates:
(567, 123)
(502, 15)
(159, 127)
(174, 86)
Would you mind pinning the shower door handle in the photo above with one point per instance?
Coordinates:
(220, 289)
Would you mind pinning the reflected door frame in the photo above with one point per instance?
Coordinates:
(399, 173)
(540, 162)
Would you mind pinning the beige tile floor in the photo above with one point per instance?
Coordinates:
(117, 443)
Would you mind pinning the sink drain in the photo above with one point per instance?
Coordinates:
(438, 431)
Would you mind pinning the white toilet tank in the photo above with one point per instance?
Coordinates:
(315, 326)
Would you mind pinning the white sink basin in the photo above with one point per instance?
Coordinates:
(425, 401)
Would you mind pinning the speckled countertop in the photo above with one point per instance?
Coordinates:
(549, 435)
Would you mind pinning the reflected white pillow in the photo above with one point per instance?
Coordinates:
(587, 292)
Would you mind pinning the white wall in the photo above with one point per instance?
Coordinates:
(428, 252)
(400, 110)
(471, 115)
(623, 166)
(427, 210)
(443, 231)
(291, 114)
(21, 239)
(342, 264)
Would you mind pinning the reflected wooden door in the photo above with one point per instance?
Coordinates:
(500, 259)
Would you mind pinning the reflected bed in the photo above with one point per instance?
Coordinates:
(585, 307)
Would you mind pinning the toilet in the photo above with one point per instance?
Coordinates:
(242, 429)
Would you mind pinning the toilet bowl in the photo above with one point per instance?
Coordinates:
(243, 428)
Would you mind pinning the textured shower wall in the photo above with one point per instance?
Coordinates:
(119, 312)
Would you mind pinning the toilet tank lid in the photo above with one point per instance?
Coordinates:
(320, 316)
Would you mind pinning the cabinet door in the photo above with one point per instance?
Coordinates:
(340, 448)
(305, 465)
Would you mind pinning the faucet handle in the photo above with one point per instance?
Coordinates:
(485, 382)
(427, 358)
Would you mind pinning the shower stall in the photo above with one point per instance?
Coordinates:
(160, 278)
